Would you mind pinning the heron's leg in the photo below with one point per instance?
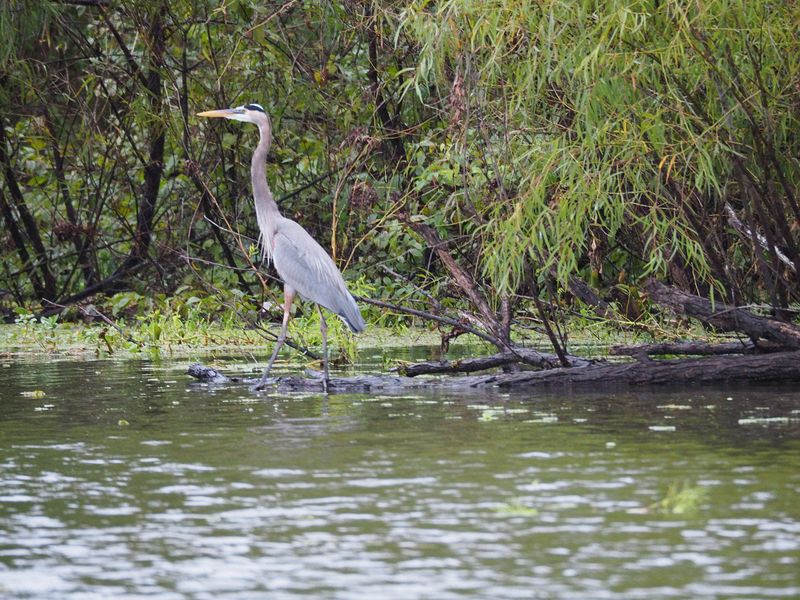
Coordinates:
(323, 327)
(288, 298)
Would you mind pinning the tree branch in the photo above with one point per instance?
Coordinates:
(724, 316)
(463, 279)
(694, 348)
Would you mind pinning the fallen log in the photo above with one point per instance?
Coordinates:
(525, 356)
(777, 367)
(694, 348)
(724, 317)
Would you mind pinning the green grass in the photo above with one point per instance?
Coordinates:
(168, 336)
(190, 324)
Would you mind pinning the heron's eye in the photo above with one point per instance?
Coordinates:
(256, 107)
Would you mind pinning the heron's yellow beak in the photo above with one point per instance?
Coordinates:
(222, 113)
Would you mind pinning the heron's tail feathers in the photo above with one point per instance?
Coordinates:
(351, 315)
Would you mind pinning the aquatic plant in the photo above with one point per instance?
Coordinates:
(681, 498)
(517, 507)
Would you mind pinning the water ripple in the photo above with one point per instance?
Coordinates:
(204, 494)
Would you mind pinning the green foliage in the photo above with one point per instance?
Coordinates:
(39, 331)
(611, 116)
(22, 24)
(539, 140)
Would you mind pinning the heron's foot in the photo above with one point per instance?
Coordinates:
(325, 380)
(262, 384)
(265, 379)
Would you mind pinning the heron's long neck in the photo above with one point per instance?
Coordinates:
(267, 212)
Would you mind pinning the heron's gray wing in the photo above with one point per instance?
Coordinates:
(305, 266)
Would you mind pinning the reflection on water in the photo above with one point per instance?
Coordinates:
(125, 479)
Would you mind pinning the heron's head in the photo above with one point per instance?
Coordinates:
(249, 113)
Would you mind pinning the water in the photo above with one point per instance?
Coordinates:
(126, 480)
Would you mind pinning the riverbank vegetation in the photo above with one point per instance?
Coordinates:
(495, 169)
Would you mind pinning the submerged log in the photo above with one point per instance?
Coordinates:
(210, 375)
(778, 367)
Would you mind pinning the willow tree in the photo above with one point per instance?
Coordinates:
(523, 143)
(614, 140)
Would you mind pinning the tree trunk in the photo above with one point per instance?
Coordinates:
(19, 243)
(47, 285)
(156, 133)
(79, 242)
(725, 317)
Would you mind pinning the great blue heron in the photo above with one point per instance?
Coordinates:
(305, 268)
